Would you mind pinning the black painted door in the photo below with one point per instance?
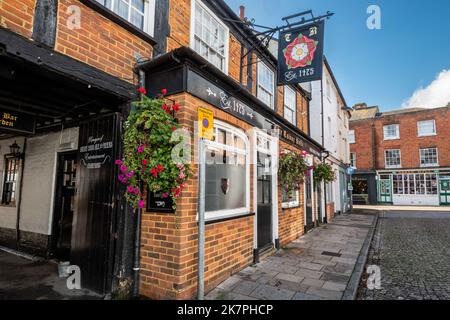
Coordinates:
(94, 220)
(264, 203)
(309, 203)
(64, 205)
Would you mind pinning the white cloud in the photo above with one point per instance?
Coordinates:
(435, 95)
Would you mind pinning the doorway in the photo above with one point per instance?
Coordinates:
(444, 191)
(264, 202)
(64, 205)
(309, 223)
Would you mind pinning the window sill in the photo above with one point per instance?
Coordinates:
(426, 135)
(227, 217)
(390, 139)
(119, 20)
(285, 206)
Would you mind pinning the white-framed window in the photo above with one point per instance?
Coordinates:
(140, 13)
(353, 159)
(266, 85)
(393, 158)
(426, 128)
(290, 199)
(415, 184)
(227, 173)
(290, 105)
(429, 157)
(351, 136)
(391, 132)
(209, 35)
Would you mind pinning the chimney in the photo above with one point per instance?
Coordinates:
(242, 13)
(360, 106)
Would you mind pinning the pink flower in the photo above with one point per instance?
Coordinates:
(182, 175)
(130, 189)
(164, 92)
(165, 195)
(123, 168)
(141, 204)
(119, 162)
(140, 149)
(136, 191)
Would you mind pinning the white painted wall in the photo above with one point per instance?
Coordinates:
(38, 181)
(8, 214)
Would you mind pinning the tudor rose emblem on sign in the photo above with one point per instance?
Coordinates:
(225, 185)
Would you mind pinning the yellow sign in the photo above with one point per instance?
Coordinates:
(206, 123)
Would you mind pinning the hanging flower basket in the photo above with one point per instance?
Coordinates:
(149, 144)
(292, 169)
(324, 172)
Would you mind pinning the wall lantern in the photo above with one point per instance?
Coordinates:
(15, 149)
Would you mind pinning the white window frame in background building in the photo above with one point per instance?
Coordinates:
(148, 13)
(290, 105)
(205, 39)
(351, 136)
(426, 128)
(424, 153)
(387, 133)
(263, 90)
(392, 166)
(353, 159)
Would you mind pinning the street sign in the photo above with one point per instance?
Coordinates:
(206, 124)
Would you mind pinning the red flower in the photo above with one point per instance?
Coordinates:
(142, 90)
(176, 107)
(160, 168)
(164, 92)
(164, 106)
(144, 162)
(154, 172)
(300, 52)
(174, 128)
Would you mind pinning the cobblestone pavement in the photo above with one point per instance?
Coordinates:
(412, 250)
(316, 266)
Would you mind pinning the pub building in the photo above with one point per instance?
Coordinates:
(65, 91)
(248, 214)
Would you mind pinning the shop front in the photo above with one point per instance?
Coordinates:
(247, 212)
(413, 187)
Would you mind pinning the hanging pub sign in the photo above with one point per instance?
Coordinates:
(300, 54)
(16, 122)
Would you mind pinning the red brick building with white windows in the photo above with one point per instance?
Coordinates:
(401, 157)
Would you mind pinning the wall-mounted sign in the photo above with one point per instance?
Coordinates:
(96, 152)
(298, 141)
(209, 92)
(206, 124)
(300, 54)
(17, 122)
(156, 203)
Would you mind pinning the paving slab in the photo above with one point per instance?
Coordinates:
(316, 266)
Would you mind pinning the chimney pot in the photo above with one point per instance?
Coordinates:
(242, 13)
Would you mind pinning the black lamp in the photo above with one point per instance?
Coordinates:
(15, 149)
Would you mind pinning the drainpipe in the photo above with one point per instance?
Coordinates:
(19, 203)
(323, 145)
(137, 231)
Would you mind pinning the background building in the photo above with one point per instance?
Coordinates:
(403, 155)
(329, 118)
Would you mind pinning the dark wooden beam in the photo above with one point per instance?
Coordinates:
(24, 49)
(45, 21)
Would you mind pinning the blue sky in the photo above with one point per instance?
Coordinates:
(381, 67)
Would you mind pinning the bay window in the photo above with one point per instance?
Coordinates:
(227, 173)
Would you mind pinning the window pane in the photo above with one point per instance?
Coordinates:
(137, 19)
(122, 8)
(139, 5)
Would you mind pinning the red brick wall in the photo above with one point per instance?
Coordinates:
(291, 222)
(17, 15)
(409, 142)
(169, 252)
(364, 144)
(100, 42)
